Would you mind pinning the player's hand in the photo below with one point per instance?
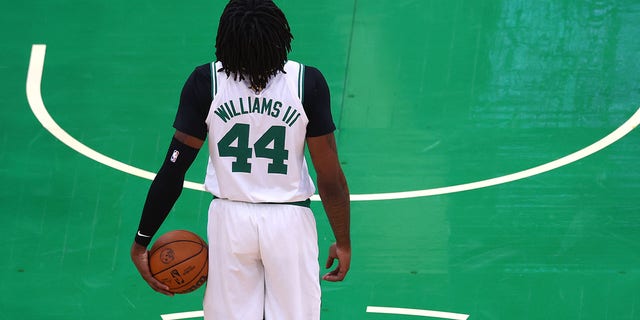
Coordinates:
(140, 257)
(343, 254)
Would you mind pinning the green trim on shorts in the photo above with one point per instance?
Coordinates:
(303, 203)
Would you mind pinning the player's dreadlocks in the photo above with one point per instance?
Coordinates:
(253, 41)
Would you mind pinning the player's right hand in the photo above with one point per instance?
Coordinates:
(140, 258)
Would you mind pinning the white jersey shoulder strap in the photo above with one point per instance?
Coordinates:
(295, 76)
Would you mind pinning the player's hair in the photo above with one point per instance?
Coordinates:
(253, 41)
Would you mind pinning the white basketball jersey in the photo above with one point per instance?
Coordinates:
(257, 140)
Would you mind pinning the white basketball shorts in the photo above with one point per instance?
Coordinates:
(263, 262)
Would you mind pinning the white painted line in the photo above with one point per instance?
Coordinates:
(370, 309)
(418, 312)
(614, 136)
(34, 96)
(183, 315)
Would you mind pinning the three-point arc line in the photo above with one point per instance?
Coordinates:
(34, 96)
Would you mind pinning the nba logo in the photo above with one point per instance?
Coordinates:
(175, 274)
(174, 156)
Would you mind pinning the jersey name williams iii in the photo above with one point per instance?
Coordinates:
(256, 140)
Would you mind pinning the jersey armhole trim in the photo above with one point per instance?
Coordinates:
(301, 82)
(214, 80)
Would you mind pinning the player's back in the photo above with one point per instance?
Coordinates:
(257, 140)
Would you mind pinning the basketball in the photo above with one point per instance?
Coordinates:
(179, 259)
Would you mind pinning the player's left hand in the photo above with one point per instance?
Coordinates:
(343, 254)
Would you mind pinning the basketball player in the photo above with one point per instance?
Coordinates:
(258, 111)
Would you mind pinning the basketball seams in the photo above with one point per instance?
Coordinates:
(175, 265)
(154, 250)
(202, 247)
(174, 253)
(200, 281)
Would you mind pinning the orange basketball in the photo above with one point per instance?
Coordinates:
(179, 259)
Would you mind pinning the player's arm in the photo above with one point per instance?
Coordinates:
(167, 186)
(334, 192)
(163, 193)
(331, 181)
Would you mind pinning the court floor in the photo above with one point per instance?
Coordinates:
(489, 147)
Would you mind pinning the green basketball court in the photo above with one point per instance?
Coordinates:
(489, 147)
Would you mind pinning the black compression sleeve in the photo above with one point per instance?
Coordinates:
(317, 103)
(195, 100)
(165, 190)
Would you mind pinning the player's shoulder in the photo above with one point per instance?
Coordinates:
(306, 67)
(312, 72)
(204, 70)
(201, 78)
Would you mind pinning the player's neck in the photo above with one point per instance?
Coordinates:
(256, 89)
